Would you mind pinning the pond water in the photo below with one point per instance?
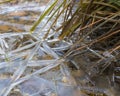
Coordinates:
(19, 16)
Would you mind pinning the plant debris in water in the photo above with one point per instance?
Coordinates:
(59, 48)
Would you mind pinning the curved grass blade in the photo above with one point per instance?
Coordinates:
(69, 30)
(54, 12)
(43, 16)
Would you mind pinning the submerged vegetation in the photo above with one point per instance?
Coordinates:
(68, 48)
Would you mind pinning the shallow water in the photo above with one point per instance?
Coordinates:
(20, 16)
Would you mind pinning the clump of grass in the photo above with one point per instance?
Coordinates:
(95, 26)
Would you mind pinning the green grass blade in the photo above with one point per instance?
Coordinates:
(69, 30)
(54, 12)
(43, 16)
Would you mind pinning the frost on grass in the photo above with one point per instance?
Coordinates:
(28, 60)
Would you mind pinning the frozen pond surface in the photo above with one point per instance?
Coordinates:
(32, 65)
(29, 65)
